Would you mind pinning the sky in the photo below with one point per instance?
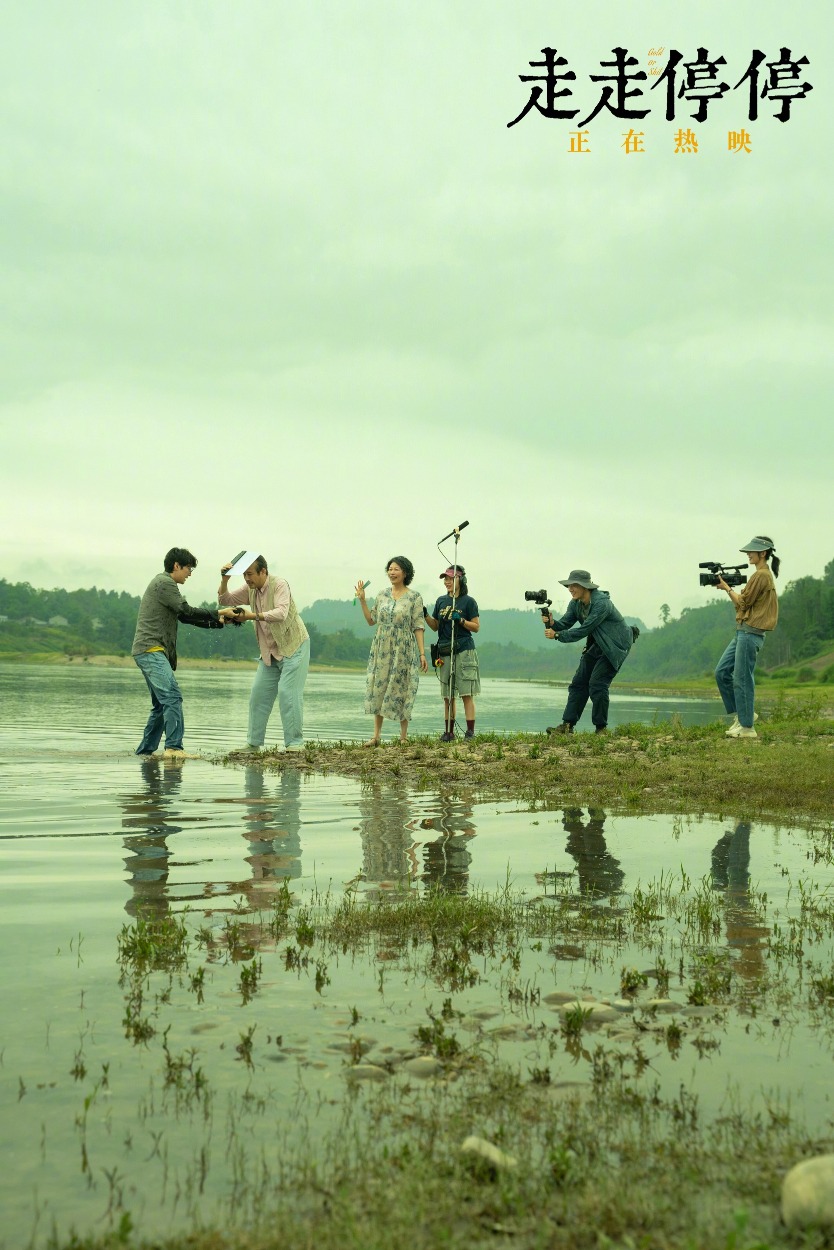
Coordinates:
(279, 276)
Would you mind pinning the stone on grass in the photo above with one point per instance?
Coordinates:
(484, 1157)
(808, 1193)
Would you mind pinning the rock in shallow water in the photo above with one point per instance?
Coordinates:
(808, 1193)
(367, 1072)
(423, 1066)
(595, 1013)
(482, 1155)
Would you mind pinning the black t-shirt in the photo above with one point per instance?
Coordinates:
(467, 606)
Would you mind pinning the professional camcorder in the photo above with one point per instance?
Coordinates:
(731, 573)
(539, 597)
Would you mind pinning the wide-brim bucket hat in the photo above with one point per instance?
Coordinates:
(580, 577)
(760, 543)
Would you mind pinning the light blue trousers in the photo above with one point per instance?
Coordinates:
(166, 703)
(734, 675)
(284, 679)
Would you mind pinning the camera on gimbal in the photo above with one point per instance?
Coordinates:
(539, 597)
(730, 573)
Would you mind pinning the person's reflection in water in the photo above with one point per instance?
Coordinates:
(446, 858)
(149, 812)
(600, 874)
(272, 834)
(746, 932)
(388, 846)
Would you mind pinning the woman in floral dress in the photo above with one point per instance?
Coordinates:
(395, 661)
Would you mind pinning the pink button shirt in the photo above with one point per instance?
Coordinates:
(267, 645)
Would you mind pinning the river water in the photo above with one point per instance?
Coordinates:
(92, 837)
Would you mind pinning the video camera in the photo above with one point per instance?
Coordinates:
(539, 597)
(730, 573)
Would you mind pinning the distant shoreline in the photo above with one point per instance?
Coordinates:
(698, 688)
(57, 659)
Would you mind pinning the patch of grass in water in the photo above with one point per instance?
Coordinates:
(153, 942)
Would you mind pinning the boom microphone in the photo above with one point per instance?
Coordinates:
(456, 530)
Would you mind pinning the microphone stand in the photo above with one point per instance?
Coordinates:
(453, 725)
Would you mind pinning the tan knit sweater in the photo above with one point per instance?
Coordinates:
(758, 607)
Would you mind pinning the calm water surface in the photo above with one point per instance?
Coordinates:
(90, 836)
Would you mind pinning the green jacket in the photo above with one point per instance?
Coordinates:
(600, 618)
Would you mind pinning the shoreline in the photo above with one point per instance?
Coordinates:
(784, 776)
(60, 660)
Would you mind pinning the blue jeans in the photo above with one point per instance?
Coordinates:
(166, 704)
(284, 678)
(591, 680)
(734, 675)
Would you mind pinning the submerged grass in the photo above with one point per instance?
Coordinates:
(597, 1149)
(598, 1112)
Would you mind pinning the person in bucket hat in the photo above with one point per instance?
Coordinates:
(757, 611)
(590, 615)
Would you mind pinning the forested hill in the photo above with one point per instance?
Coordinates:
(511, 642)
(514, 627)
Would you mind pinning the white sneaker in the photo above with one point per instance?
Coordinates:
(744, 732)
(293, 749)
(735, 725)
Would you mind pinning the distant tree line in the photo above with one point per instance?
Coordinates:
(102, 622)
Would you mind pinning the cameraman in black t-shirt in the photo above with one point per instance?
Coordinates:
(456, 608)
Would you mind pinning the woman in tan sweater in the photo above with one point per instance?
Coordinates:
(757, 611)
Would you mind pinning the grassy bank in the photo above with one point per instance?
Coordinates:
(785, 774)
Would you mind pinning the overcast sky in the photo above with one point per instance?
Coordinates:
(278, 275)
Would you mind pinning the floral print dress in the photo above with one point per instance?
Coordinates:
(394, 662)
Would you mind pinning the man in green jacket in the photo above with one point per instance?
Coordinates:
(591, 615)
(155, 649)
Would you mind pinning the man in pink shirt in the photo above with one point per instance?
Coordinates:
(284, 645)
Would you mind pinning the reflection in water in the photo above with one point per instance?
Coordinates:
(272, 833)
(599, 872)
(271, 820)
(746, 931)
(149, 812)
(385, 828)
(392, 835)
(405, 838)
(446, 858)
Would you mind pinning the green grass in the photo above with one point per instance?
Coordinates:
(786, 773)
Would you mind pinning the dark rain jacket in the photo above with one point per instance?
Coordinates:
(600, 618)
